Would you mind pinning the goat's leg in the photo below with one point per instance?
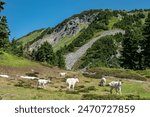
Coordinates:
(111, 90)
(120, 91)
(73, 87)
(69, 87)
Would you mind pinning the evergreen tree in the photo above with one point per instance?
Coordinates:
(132, 53)
(146, 45)
(60, 59)
(44, 54)
(1, 5)
(4, 31)
(16, 48)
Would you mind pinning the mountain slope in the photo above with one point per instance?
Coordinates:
(30, 37)
(75, 35)
(65, 30)
(10, 60)
(73, 57)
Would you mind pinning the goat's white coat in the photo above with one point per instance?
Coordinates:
(4, 76)
(28, 77)
(62, 74)
(43, 82)
(115, 85)
(72, 82)
(102, 81)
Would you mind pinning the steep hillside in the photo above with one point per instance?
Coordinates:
(71, 28)
(64, 32)
(30, 37)
(10, 60)
(17, 66)
(73, 57)
(78, 33)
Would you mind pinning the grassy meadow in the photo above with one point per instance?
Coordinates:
(14, 61)
(136, 84)
(16, 88)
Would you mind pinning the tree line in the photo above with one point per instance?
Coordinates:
(134, 50)
(45, 53)
(136, 47)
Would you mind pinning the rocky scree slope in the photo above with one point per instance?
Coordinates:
(72, 58)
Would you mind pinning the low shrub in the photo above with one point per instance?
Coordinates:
(120, 73)
(111, 97)
(84, 89)
(1, 52)
(91, 88)
(32, 74)
(25, 84)
(72, 92)
(81, 86)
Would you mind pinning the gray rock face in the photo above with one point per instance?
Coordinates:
(70, 28)
(72, 58)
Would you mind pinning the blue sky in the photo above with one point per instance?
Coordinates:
(25, 16)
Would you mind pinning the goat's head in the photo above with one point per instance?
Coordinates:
(77, 80)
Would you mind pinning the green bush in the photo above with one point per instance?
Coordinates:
(72, 92)
(111, 97)
(81, 86)
(119, 73)
(84, 89)
(32, 74)
(91, 88)
(1, 53)
(25, 84)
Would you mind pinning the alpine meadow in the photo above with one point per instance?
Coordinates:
(85, 48)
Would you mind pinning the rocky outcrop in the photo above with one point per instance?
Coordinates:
(67, 28)
(72, 58)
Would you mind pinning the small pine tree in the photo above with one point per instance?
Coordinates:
(60, 59)
(16, 48)
(1, 5)
(146, 45)
(4, 33)
(44, 54)
(132, 54)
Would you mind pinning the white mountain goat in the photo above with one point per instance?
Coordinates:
(42, 83)
(4, 76)
(62, 74)
(28, 77)
(72, 82)
(102, 81)
(115, 85)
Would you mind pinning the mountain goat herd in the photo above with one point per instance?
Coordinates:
(71, 82)
(113, 85)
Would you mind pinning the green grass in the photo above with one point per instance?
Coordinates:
(30, 37)
(19, 93)
(112, 22)
(65, 41)
(137, 89)
(14, 61)
(84, 87)
(145, 73)
(120, 73)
